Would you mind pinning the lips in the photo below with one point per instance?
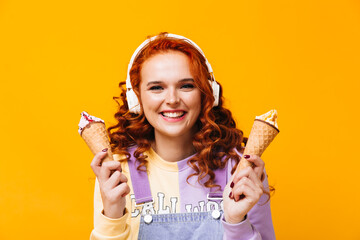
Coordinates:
(173, 114)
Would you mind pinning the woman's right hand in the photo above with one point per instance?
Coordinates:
(113, 185)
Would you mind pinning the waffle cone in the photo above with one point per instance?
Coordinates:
(261, 135)
(96, 138)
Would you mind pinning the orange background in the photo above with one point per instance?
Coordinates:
(58, 58)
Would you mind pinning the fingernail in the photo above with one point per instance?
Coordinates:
(232, 184)
(104, 150)
(230, 195)
(247, 156)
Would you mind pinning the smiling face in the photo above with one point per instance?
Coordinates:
(171, 102)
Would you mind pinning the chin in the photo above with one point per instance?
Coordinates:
(174, 132)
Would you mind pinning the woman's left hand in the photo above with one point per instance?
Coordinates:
(243, 191)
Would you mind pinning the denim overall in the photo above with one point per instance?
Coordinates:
(197, 225)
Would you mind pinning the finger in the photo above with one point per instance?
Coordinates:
(96, 162)
(243, 189)
(115, 179)
(240, 174)
(234, 187)
(123, 178)
(108, 168)
(255, 178)
(258, 164)
(245, 181)
(246, 172)
(247, 189)
(121, 190)
(250, 194)
(251, 180)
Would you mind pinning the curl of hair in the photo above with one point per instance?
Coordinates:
(217, 136)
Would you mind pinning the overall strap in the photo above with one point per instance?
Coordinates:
(220, 179)
(140, 182)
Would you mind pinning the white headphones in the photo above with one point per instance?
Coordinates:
(133, 101)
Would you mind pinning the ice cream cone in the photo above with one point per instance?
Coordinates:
(94, 133)
(261, 135)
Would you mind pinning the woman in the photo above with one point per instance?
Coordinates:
(176, 147)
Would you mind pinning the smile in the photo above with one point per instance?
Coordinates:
(173, 116)
(177, 114)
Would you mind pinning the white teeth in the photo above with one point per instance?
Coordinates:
(173, 114)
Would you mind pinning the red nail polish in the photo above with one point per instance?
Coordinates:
(232, 184)
(230, 195)
(104, 150)
(247, 156)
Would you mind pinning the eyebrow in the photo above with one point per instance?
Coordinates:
(159, 82)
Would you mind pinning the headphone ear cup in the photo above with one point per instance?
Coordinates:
(216, 92)
(133, 101)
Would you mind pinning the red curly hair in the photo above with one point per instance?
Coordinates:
(217, 136)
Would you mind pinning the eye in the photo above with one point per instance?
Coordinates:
(188, 86)
(156, 88)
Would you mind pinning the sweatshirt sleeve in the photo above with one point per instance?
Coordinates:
(260, 215)
(240, 231)
(257, 225)
(107, 228)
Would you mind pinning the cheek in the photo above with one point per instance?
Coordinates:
(150, 103)
(197, 98)
(199, 105)
(151, 100)
(194, 101)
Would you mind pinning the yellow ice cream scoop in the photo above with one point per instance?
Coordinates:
(269, 117)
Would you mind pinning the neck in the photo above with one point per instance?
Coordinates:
(173, 149)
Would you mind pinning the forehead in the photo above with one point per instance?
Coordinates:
(163, 66)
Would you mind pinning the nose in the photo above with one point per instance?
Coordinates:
(172, 97)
